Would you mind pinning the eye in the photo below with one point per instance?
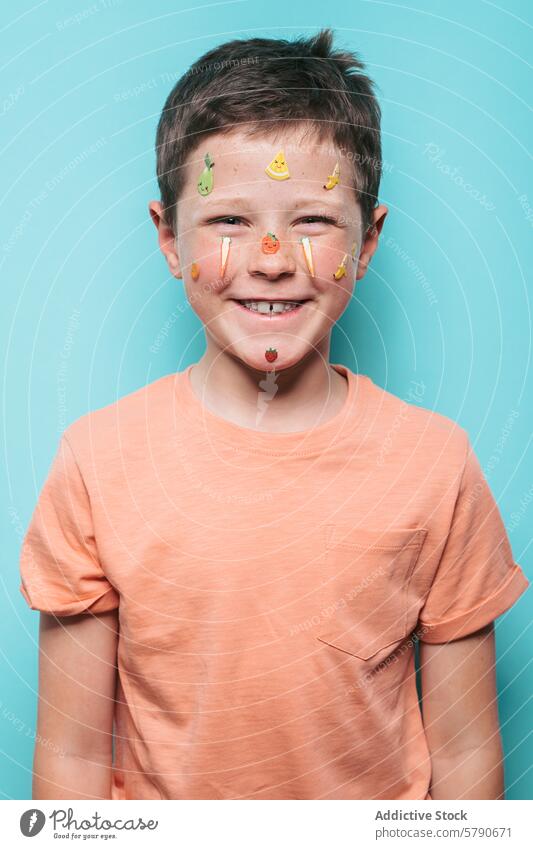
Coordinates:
(317, 219)
(231, 220)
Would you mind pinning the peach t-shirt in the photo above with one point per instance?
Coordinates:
(268, 586)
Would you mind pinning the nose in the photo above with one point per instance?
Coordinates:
(271, 266)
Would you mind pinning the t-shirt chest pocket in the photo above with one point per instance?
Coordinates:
(368, 574)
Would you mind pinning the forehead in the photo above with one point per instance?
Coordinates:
(239, 167)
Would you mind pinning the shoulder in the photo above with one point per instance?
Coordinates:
(123, 425)
(403, 426)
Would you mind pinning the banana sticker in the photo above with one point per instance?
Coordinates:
(333, 179)
(341, 270)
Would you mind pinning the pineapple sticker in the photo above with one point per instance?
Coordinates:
(205, 181)
(278, 168)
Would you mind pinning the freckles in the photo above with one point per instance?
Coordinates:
(214, 264)
(324, 268)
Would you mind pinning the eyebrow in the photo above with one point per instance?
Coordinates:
(244, 203)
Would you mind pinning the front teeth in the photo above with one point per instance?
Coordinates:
(267, 306)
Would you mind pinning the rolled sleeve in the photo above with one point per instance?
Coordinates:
(477, 578)
(59, 566)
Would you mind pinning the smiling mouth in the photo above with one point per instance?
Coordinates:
(271, 307)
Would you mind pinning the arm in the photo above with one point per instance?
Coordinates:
(77, 677)
(460, 715)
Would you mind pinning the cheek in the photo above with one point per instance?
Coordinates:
(200, 262)
(201, 276)
(331, 274)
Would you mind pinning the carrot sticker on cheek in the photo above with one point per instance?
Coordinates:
(195, 271)
(306, 245)
(224, 253)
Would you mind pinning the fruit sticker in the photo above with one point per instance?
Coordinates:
(306, 245)
(333, 179)
(224, 253)
(270, 244)
(205, 181)
(270, 355)
(341, 270)
(195, 271)
(278, 168)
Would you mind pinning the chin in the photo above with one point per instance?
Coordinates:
(284, 360)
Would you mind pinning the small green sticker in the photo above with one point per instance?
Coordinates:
(205, 183)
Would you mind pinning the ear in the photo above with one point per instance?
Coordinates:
(370, 240)
(167, 239)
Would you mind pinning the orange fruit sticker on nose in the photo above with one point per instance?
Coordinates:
(270, 244)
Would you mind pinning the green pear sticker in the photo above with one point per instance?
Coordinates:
(205, 183)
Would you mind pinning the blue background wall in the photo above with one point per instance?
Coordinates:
(85, 291)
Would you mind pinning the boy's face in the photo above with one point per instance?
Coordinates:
(266, 218)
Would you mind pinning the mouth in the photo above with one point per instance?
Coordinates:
(271, 308)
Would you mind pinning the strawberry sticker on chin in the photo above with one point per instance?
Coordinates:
(271, 355)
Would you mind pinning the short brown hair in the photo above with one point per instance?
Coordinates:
(261, 85)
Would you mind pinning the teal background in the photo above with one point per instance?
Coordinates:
(446, 300)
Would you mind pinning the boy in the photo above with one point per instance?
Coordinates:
(248, 549)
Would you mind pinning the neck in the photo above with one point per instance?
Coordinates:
(297, 398)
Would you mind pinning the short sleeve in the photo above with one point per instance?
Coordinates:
(59, 565)
(477, 579)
